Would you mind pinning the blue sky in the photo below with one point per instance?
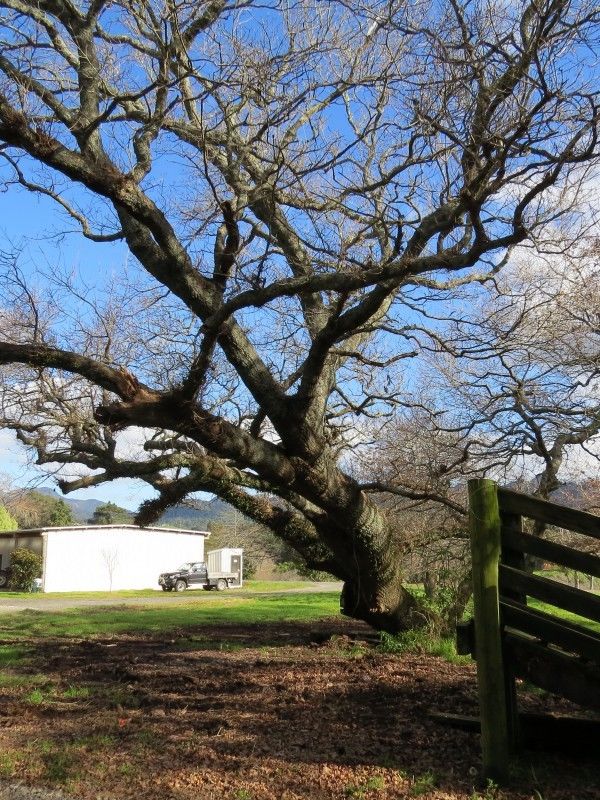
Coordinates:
(14, 466)
(25, 222)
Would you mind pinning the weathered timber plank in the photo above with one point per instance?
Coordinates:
(548, 732)
(465, 638)
(568, 598)
(551, 551)
(555, 671)
(569, 636)
(513, 557)
(551, 513)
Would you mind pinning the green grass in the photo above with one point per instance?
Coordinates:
(422, 642)
(11, 655)
(39, 690)
(248, 586)
(423, 784)
(46, 692)
(77, 692)
(221, 608)
(275, 586)
(79, 595)
(566, 615)
(37, 696)
(243, 794)
(360, 790)
(13, 679)
(7, 765)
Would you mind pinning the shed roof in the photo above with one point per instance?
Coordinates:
(49, 529)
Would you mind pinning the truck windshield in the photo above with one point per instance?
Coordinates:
(186, 566)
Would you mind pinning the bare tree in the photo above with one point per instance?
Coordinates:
(520, 377)
(420, 471)
(110, 558)
(292, 181)
(511, 392)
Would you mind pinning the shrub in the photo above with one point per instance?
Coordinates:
(25, 565)
(249, 568)
(7, 521)
(61, 515)
(421, 642)
(303, 571)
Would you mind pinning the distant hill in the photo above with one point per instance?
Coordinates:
(82, 509)
(205, 512)
(181, 516)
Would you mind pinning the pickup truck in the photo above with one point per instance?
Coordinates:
(195, 575)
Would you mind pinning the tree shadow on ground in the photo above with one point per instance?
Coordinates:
(271, 695)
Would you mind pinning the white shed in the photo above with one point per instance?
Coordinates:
(94, 558)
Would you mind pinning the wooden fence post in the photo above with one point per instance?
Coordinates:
(484, 527)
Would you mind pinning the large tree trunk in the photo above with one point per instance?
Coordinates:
(373, 588)
(386, 605)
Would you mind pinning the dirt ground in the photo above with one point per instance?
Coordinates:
(278, 712)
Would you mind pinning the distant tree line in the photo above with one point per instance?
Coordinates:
(111, 514)
(26, 509)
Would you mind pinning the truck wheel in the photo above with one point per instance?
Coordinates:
(221, 584)
(165, 588)
(206, 588)
(180, 586)
(3, 579)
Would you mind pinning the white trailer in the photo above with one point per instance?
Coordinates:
(225, 561)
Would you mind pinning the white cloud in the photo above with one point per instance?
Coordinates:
(130, 444)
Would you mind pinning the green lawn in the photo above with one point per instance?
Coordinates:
(249, 586)
(198, 610)
(568, 616)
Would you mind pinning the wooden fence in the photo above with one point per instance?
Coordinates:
(510, 638)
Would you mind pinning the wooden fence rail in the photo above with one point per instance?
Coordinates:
(512, 639)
